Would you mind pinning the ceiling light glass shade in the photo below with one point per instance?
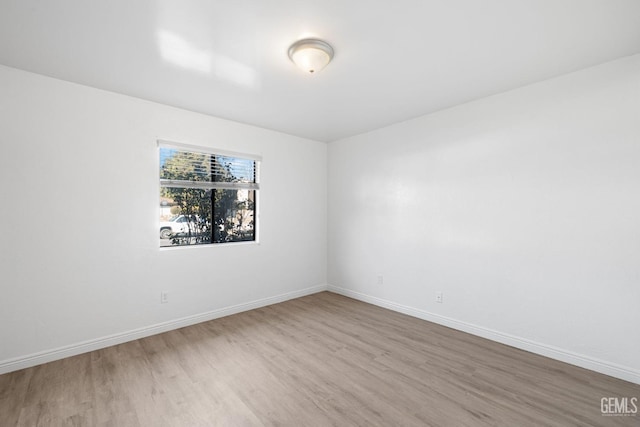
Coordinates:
(311, 55)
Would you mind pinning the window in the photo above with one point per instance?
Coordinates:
(206, 197)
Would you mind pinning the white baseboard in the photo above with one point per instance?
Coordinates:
(611, 369)
(586, 362)
(98, 343)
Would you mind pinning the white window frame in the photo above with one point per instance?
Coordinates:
(254, 186)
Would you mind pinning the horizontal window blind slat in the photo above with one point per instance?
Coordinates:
(206, 185)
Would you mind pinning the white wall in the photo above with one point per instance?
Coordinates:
(79, 211)
(522, 208)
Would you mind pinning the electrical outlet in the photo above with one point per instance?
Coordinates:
(439, 297)
(164, 297)
(380, 279)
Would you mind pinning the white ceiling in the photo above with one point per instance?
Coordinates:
(394, 60)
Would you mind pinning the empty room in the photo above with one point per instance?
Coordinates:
(329, 213)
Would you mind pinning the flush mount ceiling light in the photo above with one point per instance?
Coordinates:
(311, 55)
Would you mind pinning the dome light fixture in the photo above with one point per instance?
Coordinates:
(311, 55)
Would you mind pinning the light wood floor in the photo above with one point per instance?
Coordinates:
(320, 360)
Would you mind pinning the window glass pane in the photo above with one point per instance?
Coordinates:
(206, 197)
(184, 165)
(234, 215)
(233, 169)
(186, 216)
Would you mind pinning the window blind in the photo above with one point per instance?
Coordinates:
(191, 167)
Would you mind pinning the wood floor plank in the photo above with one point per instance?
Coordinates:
(321, 360)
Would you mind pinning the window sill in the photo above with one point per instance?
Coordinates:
(208, 245)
